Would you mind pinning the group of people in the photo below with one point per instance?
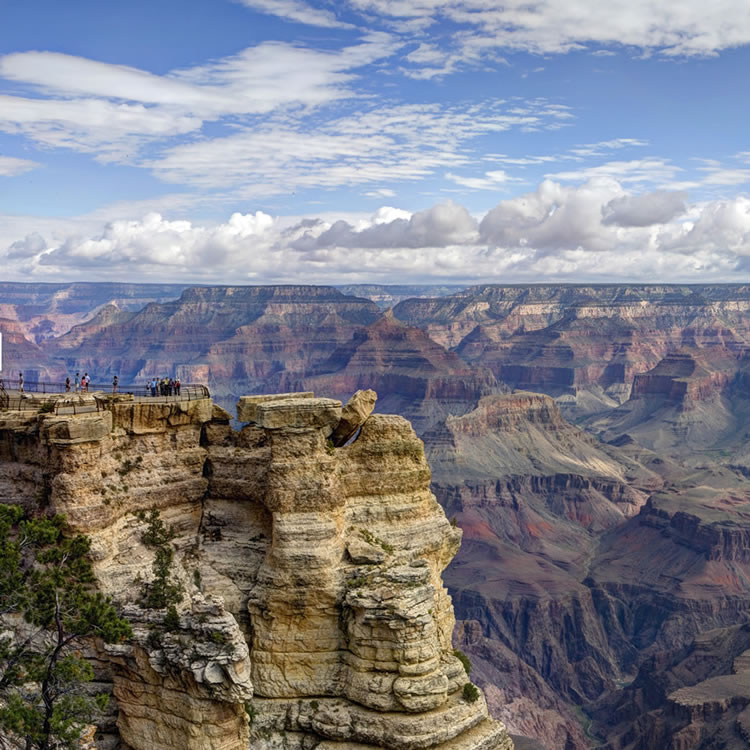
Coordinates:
(81, 383)
(164, 386)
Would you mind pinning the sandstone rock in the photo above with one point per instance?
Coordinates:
(299, 413)
(358, 408)
(247, 405)
(220, 415)
(86, 428)
(316, 604)
(365, 553)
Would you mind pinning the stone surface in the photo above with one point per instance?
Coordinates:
(247, 406)
(313, 610)
(357, 409)
(299, 413)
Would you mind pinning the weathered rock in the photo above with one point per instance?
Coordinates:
(247, 405)
(299, 413)
(357, 409)
(324, 620)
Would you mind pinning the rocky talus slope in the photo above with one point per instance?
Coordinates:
(314, 614)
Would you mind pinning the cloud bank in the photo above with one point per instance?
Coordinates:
(593, 231)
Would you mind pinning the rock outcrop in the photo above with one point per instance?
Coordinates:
(313, 615)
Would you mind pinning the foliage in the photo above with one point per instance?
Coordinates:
(461, 656)
(471, 692)
(172, 619)
(370, 538)
(47, 407)
(49, 607)
(164, 590)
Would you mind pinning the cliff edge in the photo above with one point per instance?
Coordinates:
(314, 613)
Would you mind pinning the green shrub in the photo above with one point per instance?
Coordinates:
(461, 656)
(471, 692)
(172, 619)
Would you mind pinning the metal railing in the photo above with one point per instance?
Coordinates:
(189, 391)
(63, 399)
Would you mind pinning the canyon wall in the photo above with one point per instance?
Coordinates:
(314, 614)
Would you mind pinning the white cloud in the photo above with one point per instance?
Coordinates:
(725, 176)
(11, 166)
(645, 209)
(690, 27)
(113, 131)
(390, 143)
(647, 170)
(440, 226)
(490, 181)
(114, 110)
(597, 230)
(381, 193)
(293, 10)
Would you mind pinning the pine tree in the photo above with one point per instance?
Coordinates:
(48, 608)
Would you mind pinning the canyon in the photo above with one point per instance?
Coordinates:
(589, 441)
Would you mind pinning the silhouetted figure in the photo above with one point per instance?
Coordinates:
(67, 385)
(20, 382)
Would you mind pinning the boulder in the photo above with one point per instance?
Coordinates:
(247, 405)
(299, 413)
(353, 415)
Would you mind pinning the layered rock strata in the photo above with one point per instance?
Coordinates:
(314, 613)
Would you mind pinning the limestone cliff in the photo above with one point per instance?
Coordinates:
(314, 613)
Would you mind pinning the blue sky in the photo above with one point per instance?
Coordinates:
(253, 141)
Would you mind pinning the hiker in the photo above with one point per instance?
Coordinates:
(114, 384)
(78, 381)
(20, 382)
(67, 385)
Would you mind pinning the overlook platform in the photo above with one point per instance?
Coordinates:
(52, 397)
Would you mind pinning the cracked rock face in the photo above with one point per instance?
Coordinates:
(314, 613)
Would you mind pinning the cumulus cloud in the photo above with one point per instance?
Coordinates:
(31, 245)
(598, 230)
(439, 226)
(553, 218)
(645, 209)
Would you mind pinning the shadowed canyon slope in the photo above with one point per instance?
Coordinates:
(591, 442)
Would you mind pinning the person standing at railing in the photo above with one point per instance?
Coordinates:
(78, 381)
(20, 382)
(177, 386)
(85, 382)
(67, 385)
(114, 384)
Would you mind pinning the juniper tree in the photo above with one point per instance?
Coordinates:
(48, 608)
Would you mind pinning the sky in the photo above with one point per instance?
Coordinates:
(378, 141)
